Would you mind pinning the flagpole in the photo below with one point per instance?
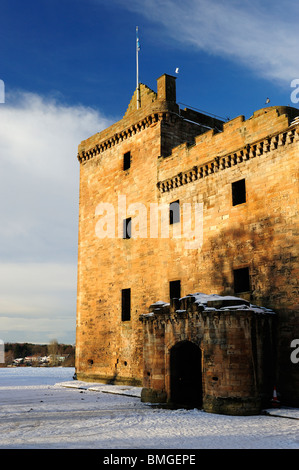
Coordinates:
(137, 69)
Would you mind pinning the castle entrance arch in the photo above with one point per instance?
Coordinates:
(186, 375)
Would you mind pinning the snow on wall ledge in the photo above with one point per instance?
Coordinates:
(208, 302)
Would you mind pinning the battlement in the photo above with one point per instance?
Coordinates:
(154, 107)
(147, 98)
(240, 141)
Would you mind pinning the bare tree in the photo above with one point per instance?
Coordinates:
(53, 352)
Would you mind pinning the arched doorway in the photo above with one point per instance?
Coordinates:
(186, 375)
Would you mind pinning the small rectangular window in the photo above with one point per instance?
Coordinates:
(127, 160)
(174, 212)
(238, 192)
(175, 290)
(126, 304)
(127, 228)
(241, 280)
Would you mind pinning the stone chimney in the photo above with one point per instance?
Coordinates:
(166, 88)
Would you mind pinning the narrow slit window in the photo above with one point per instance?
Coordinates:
(241, 280)
(175, 289)
(238, 192)
(174, 212)
(127, 160)
(127, 228)
(126, 304)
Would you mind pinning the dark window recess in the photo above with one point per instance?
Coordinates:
(127, 160)
(127, 228)
(126, 304)
(241, 280)
(239, 192)
(175, 289)
(174, 212)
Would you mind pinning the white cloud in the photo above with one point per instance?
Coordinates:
(38, 302)
(39, 195)
(261, 34)
(39, 175)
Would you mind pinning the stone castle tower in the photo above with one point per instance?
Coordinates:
(239, 181)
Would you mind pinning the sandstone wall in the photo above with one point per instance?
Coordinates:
(260, 234)
(237, 355)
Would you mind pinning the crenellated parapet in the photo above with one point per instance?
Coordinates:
(125, 134)
(219, 163)
(160, 107)
(199, 304)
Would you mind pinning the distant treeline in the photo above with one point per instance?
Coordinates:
(54, 351)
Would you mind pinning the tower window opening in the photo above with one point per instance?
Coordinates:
(127, 228)
(174, 212)
(238, 192)
(175, 289)
(126, 304)
(241, 280)
(127, 160)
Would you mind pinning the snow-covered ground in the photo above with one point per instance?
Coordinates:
(44, 408)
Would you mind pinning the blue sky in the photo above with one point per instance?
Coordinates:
(69, 71)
